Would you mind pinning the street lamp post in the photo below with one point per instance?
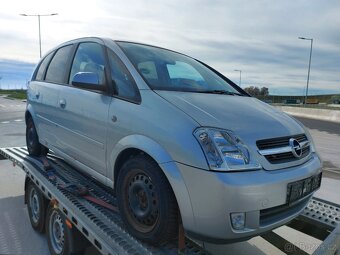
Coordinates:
(310, 60)
(39, 15)
(240, 75)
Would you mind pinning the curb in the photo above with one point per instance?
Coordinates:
(312, 113)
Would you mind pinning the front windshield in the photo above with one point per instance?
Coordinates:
(167, 70)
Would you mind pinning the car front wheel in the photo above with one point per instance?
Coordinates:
(146, 201)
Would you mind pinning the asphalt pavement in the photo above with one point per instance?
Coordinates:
(326, 136)
(16, 233)
(321, 125)
(12, 122)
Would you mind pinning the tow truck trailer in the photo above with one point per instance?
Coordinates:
(102, 227)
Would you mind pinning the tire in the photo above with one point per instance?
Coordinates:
(146, 201)
(62, 240)
(34, 147)
(36, 206)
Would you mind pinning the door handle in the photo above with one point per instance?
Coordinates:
(37, 95)
(62, 103)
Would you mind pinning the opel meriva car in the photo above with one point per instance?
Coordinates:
(175, 140)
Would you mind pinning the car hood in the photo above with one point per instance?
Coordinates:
(248, 117)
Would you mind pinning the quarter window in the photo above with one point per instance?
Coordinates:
(122, 78)
(89, 58)
(57, 69)
(41, 70)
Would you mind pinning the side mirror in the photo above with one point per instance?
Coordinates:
(87, 80)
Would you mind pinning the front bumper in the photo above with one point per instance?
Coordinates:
(206, 199)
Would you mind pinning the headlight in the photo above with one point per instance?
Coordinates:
(224, 151)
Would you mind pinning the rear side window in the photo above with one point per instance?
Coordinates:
(89, 58)
(41, 70)
(57, 69)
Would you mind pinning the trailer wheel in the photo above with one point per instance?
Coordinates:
(61, 239)
(36, 206)
(34, 147)
(146, 201)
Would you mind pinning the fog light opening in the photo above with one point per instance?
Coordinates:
(238, 220)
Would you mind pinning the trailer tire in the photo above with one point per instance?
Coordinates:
(146, 201)
(34, 147)
(61, 239)
(36, 206)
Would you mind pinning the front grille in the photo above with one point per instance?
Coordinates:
(279, 142)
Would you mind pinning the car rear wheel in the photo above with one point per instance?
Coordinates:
(146, 201)
(34, 147)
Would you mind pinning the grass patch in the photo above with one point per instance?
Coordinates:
(15, 93)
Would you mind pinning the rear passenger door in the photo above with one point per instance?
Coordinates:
(85, 112)
(44, 93)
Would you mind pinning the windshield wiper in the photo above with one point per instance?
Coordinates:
(221, 92)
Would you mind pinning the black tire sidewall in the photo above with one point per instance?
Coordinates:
(35, 149)
(68, 243)
(159, 234)
(40, 224)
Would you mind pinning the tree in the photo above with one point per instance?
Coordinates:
(264, 91)
(256, 91)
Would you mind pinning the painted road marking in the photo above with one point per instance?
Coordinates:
(13, 105)
(7, 121)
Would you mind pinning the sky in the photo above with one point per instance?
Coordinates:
(259, 37)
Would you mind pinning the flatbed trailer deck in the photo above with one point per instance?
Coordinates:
(105, 230)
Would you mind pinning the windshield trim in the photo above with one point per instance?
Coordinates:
(231, 83)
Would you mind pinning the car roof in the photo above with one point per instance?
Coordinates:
(106, 41)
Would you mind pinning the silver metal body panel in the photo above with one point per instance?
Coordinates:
(83, 127)
(249, 118)
(214, 195)
(43, 105)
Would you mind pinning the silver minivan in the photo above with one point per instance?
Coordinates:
(178, 142)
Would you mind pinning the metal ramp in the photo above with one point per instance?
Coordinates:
(102, 227)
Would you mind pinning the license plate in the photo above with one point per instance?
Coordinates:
(299, 189)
